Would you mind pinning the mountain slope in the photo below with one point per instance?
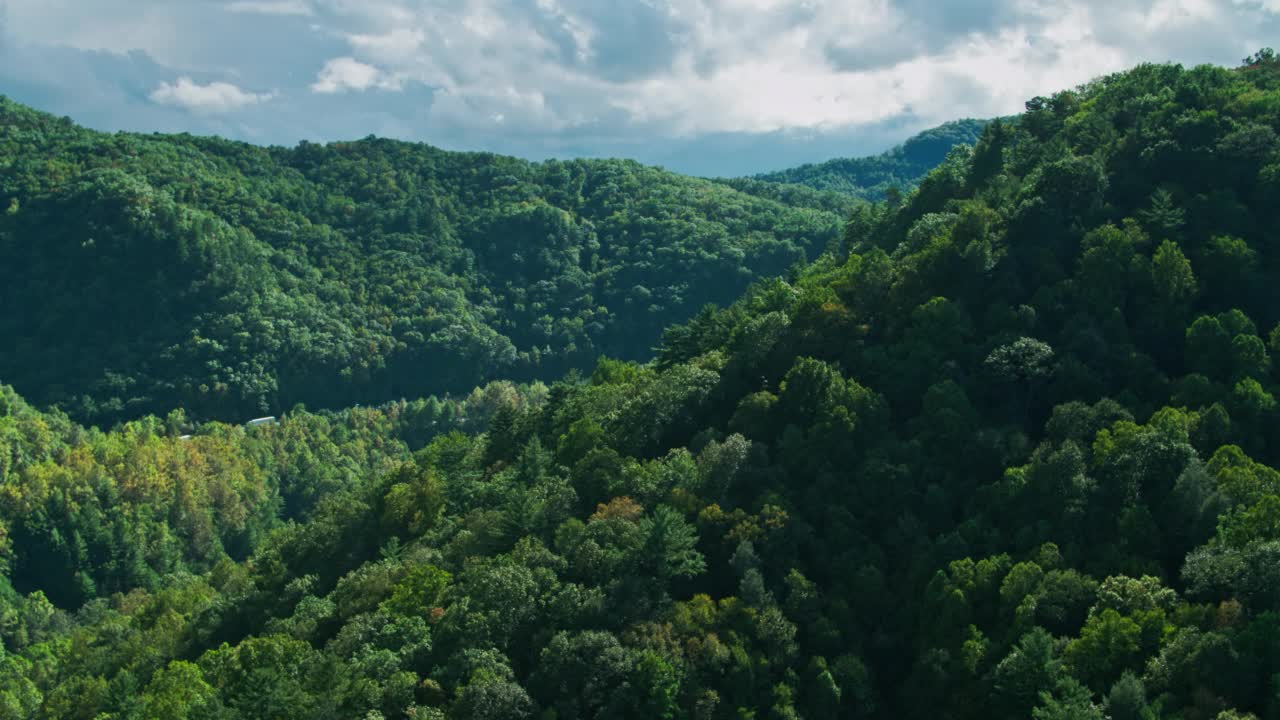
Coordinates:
(153, 271)
(870, 177)
(1014, 456)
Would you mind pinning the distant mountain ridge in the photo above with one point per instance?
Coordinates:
(870, 177)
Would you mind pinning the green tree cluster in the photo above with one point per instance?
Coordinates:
(146, 272)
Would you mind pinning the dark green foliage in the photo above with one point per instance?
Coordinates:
(148, 272)
(1128, 700)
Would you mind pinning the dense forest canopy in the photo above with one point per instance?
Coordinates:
(1011, 452)
(149, 272)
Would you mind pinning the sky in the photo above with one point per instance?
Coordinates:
(709, 87)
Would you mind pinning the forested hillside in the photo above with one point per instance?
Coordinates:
(140, 273)
(85, 513)
(870, 178)
(1010, 453)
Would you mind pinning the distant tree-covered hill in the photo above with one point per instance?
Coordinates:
(143, 272)
(871, 177)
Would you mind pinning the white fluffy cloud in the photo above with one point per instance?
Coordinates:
(345, 73)
(687, 67)
(214, 98)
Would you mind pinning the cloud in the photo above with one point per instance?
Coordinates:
(1272, 6)
(270, 7)
(678, 68)
(692, 83)
(214, 98)
(345, 73)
